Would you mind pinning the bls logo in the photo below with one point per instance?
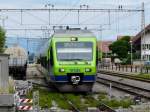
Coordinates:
(75, 70)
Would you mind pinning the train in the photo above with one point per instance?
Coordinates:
(70, 58)
(17, 61)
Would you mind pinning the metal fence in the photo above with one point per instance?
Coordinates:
(125, 68)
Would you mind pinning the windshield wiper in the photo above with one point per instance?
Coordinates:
(79, 59)
(66, 60)
(73, 60)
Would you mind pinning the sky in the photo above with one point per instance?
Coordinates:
(121, 24)
(38, 3)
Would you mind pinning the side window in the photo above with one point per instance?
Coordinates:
(51, 57)
(96, 55)
(48, 59)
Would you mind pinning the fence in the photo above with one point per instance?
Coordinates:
(126, 68)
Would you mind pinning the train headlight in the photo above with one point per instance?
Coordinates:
(88, 70)
(74, 39)
(61, 70)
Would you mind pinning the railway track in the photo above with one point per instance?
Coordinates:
(72, 105)
(62, 95)
(105, 108)
(124, 76)
(102, 107)
(145, 93)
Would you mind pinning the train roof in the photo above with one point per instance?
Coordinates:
(73, 32)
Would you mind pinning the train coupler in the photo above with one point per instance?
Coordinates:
(75, 80)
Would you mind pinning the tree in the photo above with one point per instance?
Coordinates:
(121, 47)
(2, 39)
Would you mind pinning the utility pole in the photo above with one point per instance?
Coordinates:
(143, 30)
(110, 91)
(21, 17)
(81, 7)
(131, 52)
(109, 19)
(101, 43)
(78, 17)
(3, 20)
(49, 11)
(50, 8)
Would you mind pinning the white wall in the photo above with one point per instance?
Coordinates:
(146, 52)
(146, 39)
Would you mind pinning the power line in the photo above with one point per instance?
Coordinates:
(11, 19)
(68, 12)
(37, 17)
(75, 10)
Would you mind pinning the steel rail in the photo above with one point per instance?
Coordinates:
(125, 87)
(123, 75)
(106, 108)
(75, 109)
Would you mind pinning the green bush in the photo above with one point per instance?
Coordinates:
(118, 103)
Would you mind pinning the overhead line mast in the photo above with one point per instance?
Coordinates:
(74, 9)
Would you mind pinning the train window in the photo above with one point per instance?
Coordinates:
(74, 51)
(48, 59)
(51, 57)
(96, 55)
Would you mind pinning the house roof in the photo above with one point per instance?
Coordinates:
(138, 36)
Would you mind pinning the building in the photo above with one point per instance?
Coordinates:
(104, 46)
(144, 49)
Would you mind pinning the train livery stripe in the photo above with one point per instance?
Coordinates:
(65, 78)
(89, 78)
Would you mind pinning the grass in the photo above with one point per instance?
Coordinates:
(10, 89)
(46, 98)
(81, 101)
(144, 76)
(11, 85)
(125, 103)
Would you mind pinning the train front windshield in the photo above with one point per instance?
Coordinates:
(80, 51)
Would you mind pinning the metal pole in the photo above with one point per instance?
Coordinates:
(28, 48)
(143, 29)
(21, 16)
(109, 19)
(131, 55)
(131, 52)
(3, 22)
(49, 11)
(49, 16)
(101, 42)
(78, 17)
(110, 91)
(142, 33)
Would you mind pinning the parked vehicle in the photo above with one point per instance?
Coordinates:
(17, 61)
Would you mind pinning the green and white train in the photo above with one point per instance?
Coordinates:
(70, 59)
